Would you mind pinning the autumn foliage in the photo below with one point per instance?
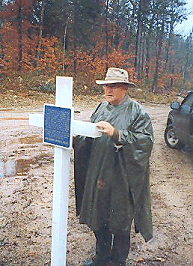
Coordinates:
(89, 64)
(24, 49)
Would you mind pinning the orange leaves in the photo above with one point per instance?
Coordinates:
(9, 57)
(50, 55)
(46, 54)
(90, 64)
(168, 80)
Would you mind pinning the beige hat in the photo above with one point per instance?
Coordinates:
(116, 75)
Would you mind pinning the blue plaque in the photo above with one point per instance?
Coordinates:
(57, 125)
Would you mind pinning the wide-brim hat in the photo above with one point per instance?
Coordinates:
(116, 75)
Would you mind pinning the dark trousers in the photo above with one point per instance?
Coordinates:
(112, 246)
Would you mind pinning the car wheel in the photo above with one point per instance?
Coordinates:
(171, 139)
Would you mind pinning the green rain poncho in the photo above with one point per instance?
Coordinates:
(112, 182)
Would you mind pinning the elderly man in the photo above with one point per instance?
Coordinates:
(112, 172)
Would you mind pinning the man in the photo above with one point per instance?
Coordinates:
(112, 172)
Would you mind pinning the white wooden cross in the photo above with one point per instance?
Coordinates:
(61, 170)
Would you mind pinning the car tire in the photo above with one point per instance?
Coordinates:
(171, 139)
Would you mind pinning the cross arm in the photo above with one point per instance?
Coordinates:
(82, 128)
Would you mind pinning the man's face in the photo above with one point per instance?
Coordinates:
(114, 93)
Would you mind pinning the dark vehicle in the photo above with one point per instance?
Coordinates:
(179, 130)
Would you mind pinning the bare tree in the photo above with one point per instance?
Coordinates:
(107, 34)
(19, 27)
(43, 4)
(160, 36)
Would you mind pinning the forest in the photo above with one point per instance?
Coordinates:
(82, 38)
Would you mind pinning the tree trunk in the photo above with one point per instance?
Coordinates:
(107, 36)
(148, 36)
(131, 25)
(187, 55)
(19, 19)
(75, 40)
(40, 29)
(147, 58)
(160, 41)
(64, 45)
(117, 37)
(172, 80)
(143, 55)
(138, 41)
(168, 62)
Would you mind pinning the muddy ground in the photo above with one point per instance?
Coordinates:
(26, 179)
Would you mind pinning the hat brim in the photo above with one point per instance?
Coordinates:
(104, 82)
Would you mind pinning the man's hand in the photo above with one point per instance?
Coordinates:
(105, 127)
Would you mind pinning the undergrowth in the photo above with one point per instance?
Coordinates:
(44, 83)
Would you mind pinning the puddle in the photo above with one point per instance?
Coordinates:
(14, 167)
(21, 167)
(7, 168)
(31, 140)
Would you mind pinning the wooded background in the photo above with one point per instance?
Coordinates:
(82, 38)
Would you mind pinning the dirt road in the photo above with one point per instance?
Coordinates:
(26, 178)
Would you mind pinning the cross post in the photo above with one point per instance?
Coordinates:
(64, 87)
(61, 182)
